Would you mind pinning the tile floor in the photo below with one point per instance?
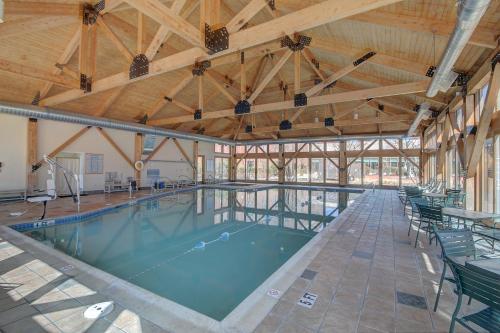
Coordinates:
(368, 278)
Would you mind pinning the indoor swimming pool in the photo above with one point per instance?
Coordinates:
(206, 249)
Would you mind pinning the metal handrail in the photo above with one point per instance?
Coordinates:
(54, 164)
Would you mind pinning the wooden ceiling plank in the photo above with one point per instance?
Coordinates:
(480, 37)
(310, 60)
(167, 17)
(63, 59)
(245, 15)
(363, 94)
(114, 38)
(220, 88)
(269, 76)
(40, 8)
(33, 25)
(35, 73)
(171, 94)
(109, 99)
(307, 18)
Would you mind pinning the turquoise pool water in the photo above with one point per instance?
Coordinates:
(207, 249)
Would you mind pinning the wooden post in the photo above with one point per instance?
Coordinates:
(469, 121)
(195, 161)
(281, 164)
(342, 164)
(232, 164)
(32, 147)
(137, 156)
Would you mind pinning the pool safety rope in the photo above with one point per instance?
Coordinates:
(200, 246)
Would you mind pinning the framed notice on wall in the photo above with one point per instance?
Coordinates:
(94, 163)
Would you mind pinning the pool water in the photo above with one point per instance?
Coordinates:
(207, 249)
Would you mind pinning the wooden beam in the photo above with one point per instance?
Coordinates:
(35, 73)
(269, 76)
(32, 153)
(310, 60)
(63, 59)
(243, 78)
(114, 38)
(66, 143)
(307, 18)
(220, 88)
(484, 121)
(156, 150)
(294, 155)
(170, 94)
(163, 32)
(140, 33)
(245, 15)
(443, 147)
(296, 72)
(183, 152)
(481, 37)
(361, 153)
(402, 154)
(391, 62)
(138, 147)
(363, 94)
(109, 99)
(115, 146)
(200, 93)
(165, 16)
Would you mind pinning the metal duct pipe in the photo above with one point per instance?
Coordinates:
(32, 111)
(469, 15)
(1, 11)
(423, 113)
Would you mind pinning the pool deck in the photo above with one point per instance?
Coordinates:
(366, 273)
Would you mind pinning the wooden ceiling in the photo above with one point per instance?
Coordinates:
(42, 52)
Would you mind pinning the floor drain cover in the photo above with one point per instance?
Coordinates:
(98, 310)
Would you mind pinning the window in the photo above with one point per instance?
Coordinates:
(274, 148)
(303, 147)
(409, 171)
(353, 145)
(332, 146)
(291, 171)
(386, 144)
(488, 189)
(273, 171)
(222, 149)
(317, 171)
(354, 171)
(303, 170)
(200, 171)
(482, 97)
(390, 171)
(240, 149)
(250, 169)
(218, 148)
(411, 143)
(371, 174)
(289, 147)
(262, 148)
(371, 144)
(240, 170)
(332, 172)
(221, 168)
(318, 146)
(261, 169)
(251, 149)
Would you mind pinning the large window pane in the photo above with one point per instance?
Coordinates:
(371, 144)
(411, 143)
(353, 145)
(261, 169)
(317, 146)
(390, 171)
(371, 170)
(289, 147)
(240, 170)
(317, 175)
(332, 146)
(273, 171)
(409, 171)
(302, 170)
(354, 171)
(387, 146)
(274, 148)
(240, 149)
(291, 171)
(332, 172)
(250, 169)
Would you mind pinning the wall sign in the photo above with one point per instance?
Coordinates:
(94, 163)
(307, 300)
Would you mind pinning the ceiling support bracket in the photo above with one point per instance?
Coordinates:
(242, 107)
(85, 83)
(197, 114)
(300, 100)
(200, 67)
(285, 125)
(90, 13)
(302, 42)
(248, 129)
(216, 40)
(364, 58)
(329, 122)
(139, 66)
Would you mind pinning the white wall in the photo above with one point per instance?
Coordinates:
(51, 134)
(13, 152)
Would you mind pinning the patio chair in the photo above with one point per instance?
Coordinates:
(409, 193)
(414, 209)
(455, 199)
(428, 215)
(482, 287)
(454, 243)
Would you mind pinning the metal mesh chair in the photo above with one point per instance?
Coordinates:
(454, 243)
(429, 216)
(414, 209)
(483, 288)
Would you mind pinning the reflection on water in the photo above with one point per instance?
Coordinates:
(207, 249)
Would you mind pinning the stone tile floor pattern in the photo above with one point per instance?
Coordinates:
(370, 279)
(392, 289)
